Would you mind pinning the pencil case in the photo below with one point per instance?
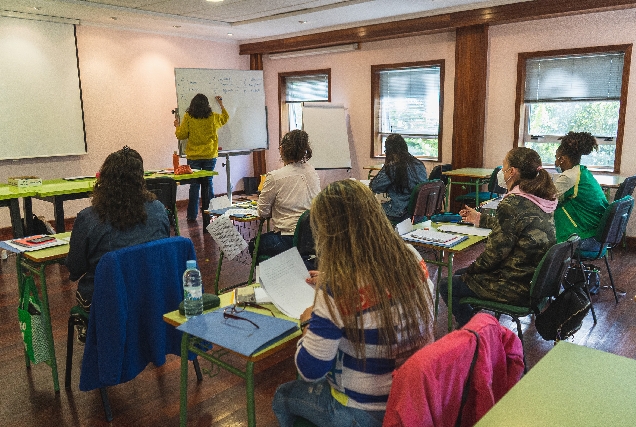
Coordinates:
(209, 301)
(446, 217)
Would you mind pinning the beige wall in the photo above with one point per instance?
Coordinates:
(128, 92)
(351, 86)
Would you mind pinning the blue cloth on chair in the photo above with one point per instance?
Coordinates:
(134, 288)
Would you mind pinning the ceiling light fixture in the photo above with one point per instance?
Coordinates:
(215, 1)
(36, 8)
(176, 26)
(320, 51)
(230, 34)
(302, 22)
(114, 18)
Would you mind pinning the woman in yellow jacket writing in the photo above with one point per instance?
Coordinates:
(199, 127)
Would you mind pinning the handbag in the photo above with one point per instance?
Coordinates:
(564, 316)
(33, 325)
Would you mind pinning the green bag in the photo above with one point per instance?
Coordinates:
(32, 323)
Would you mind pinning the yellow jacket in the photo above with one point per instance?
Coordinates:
(203, 141)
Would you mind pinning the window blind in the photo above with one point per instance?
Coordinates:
(307, 88)
(409, 100)
(574, 78)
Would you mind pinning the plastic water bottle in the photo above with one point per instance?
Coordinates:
(192, 290)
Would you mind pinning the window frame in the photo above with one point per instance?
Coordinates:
(283, 110)
(376, 141)
(522, 109)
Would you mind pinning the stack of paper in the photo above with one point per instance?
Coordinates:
(434, 238)
(33, 243)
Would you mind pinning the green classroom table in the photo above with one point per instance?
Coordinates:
(217, 355)
(571, 386)
(9, 195)
(467, 176)
(35, 263)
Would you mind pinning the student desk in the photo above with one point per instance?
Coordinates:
(439, 261)
(216, 355)
(467, 176)
(608, 182)
(571, 386)
(35, 262)
(9, 195)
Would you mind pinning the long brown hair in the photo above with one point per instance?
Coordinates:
(120, 191)
(357, 248)
(533, 179)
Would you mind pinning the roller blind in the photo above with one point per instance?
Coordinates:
(307, 88)
(574, 78)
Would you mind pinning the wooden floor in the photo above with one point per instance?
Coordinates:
(152, 399)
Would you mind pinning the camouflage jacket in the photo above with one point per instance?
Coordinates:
(521, 235)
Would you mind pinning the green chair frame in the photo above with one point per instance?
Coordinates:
(494, 190)
(545, 284)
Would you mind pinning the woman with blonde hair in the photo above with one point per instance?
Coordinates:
(372, 309)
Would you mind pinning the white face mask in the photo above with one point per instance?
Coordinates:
(501, 180)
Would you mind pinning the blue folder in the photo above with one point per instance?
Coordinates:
(239, 336)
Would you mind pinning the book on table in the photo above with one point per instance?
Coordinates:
(428, 236)
(243, 332)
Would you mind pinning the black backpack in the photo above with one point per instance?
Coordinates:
(564, 316)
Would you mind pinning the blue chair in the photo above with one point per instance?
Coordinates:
(494, 190)
(134, 287)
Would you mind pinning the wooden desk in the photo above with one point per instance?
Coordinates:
(449, 253)
(571, 386)
(467, 176)
(189, 344)
(372, 169)
(35, 262)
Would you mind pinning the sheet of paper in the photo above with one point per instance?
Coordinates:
(283, 278)
(404, 226)
(261, 296)
(220, 203)
(465, 229)
(241, 212)
(227, 237)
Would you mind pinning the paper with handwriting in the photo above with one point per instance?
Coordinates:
(227, 237)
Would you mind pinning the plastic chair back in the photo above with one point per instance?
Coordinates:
(429, 197)
(303, 239)
(614, 223)
(165, 189)
(549, 274)
(436, 173)
(493, 184)
(626, 188)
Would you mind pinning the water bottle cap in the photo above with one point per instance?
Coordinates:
(191, 263)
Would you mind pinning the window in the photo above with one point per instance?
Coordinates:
(298, 87)
(407, 99)
(580, 91)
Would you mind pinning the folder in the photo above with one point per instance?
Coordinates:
(239, 336)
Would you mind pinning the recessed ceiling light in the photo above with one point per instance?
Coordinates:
(114, 18)
(302, 22)
(36, 8)
(176, 26)
(215, 1)
(230, 34)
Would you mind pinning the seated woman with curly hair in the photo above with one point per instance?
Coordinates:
(122, 213)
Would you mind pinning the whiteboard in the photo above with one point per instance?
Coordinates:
(243, 97)
(327, 129)
(41, 107)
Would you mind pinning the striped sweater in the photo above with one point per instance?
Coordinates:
(325, 350)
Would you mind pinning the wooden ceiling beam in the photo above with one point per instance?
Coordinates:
(515, 12)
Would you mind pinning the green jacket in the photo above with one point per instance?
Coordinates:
(203, 141)
(521, 235)
(581, 208)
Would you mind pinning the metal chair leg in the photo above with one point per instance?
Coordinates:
(69, 353)
(609, 272)
(197, 369)
(523, 347)
(587, 290)
(107, 412)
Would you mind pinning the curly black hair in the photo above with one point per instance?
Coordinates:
(294, 147)
(120, 191)
(576, 144)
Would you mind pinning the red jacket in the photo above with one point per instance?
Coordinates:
(427, 389)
